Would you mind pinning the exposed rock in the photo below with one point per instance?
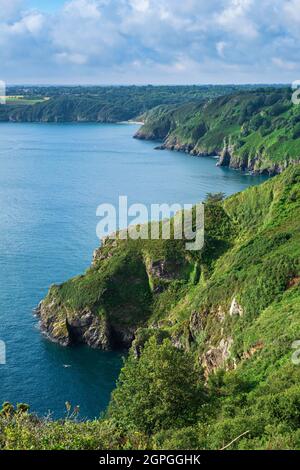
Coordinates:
(256, 347)
(225, 156)
(196, 324)
(161, 272)
(89, 329)
(178, 340)
(52, 325)
(99, 254)
(67, 328)
(236, 309)
(217, 357)
(228, 156)
(255, 164)
(295, 281)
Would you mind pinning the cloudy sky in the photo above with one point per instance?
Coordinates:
(149, 41)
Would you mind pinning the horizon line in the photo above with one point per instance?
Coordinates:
(146, 84)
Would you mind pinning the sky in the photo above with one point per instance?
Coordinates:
(149, 41)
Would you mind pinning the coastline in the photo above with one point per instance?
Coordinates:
(139, 123)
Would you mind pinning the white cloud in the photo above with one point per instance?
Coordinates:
(284, 64)
(140, 5)
(165, 39)
(220, 46)
(9, 9)
(65, 57)
(292, 10)
(236, 18)
(32, 23)
(86, 9)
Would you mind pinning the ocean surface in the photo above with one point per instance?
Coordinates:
(52, 178)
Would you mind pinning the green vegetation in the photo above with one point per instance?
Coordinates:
(23, 100)
(256, 130)
(249, 127)
(212, 355)
(100, 104)
(159, 391)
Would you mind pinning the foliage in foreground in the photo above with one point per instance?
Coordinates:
(200, 375)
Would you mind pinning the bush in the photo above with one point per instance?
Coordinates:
(199, 131)
(212, 198)
(296, 131)
(160, 390)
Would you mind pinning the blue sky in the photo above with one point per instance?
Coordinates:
(149, 41)
(45, 5)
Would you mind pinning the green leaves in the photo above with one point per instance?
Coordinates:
(163, 389)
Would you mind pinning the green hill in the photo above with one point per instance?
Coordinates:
(99, 104)
(211, 333)
(256, 130)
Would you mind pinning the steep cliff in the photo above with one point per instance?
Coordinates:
(256, 131)
(98, 103)
(204, 300)
(215, 334)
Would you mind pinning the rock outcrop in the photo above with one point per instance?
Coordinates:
(236, 309)
(74, 327)
(229, 157)
(217, 357)
(83, 327)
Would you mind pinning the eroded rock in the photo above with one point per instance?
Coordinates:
(236, 309)
(217, 357)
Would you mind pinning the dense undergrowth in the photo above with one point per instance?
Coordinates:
(100, 103)
(257, 129)
(213, 356)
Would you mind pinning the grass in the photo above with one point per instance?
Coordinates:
(252, 255)
(13, 100)
(261, 128)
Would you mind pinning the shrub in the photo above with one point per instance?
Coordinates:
(160, 390)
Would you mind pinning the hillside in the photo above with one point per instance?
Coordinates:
(99, 104)
(256, 130)
(211, 333)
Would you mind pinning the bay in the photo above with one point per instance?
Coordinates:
(52, 179)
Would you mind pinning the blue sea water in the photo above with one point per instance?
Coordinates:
(52, 178)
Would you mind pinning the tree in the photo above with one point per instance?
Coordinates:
(212, 198)
(296, 131)
(160, 390)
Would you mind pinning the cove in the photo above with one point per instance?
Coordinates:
(52, 179)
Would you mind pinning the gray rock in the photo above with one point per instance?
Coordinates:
(236, 309)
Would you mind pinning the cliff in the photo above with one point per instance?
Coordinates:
(214, 334)
(104, 104)
(250, 261)
(257, 131)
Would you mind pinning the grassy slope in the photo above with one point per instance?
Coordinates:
(101, 104)
(260, 128)
(252, 254)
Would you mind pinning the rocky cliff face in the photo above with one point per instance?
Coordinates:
(228, 156)
(257, 132)
(257, 164)
(105, 307)
(205, 301)
(69, 328)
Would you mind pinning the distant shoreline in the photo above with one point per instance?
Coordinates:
(140, 123)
